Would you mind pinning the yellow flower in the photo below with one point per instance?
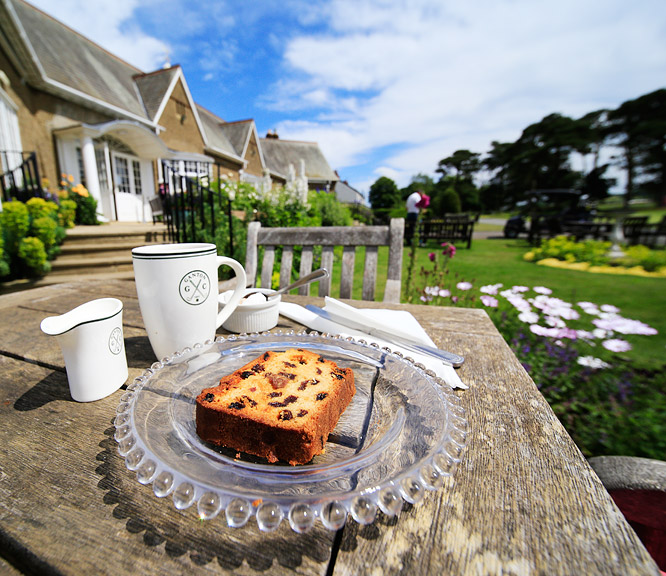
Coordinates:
(71, 179)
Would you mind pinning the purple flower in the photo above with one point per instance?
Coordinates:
(616, 345)
(454, 299)
(444, 293)
(489, 301)
(431, 256)
(464, 285)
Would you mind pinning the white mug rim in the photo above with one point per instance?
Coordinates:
(158, 251)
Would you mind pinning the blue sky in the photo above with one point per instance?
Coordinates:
(389, 87)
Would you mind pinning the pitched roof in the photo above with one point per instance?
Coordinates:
(217, 139)
(154, 88)
(279, 154)
(67, 59)
(237, 133)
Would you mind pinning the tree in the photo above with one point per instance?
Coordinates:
(639, 128)
(384, 195)
(462, 165)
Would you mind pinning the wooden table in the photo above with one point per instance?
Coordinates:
(524, 500)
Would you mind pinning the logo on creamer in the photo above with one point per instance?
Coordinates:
(116, 341)
(194, 287)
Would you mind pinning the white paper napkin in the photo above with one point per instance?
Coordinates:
(408, 324)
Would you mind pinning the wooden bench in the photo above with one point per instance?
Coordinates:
(632, 228)
(654, 235)
(327, 238)
(598, 229)
(448, 229)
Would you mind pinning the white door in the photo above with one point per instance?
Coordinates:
(130, 183)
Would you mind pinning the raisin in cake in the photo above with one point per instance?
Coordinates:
(280, 406)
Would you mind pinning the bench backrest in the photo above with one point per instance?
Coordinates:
(327, 237)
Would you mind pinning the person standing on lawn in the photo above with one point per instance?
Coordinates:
(416, 202)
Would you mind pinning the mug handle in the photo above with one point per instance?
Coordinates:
(239, 290)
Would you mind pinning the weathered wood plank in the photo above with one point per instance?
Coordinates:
(326, 262)
(347, 274)
(524, 500)
(267, 266)
(305, 269)
(67, 498)
(285, 265)
(369, 273)
(326, 236)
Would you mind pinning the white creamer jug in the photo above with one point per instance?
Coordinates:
(92, 343)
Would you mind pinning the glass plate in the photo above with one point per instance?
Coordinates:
(402, 434)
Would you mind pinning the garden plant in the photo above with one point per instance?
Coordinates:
(578, 352)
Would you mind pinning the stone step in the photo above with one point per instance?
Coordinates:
(104, 249)
(83, 249)
(91, 264)
(129, 233)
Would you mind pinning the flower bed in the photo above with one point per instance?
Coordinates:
(577, 354)
(594, 256)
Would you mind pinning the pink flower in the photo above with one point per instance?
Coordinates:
(542, 290)
(454, 299)
(491, 288)
(444, 293)
(616, 345)
(464, 285)
(610, 308)
(518, 289)
(431, 256)
(449, 249)
(528, 317)
(489, 301)
(624, 326)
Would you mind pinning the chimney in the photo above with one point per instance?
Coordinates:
(272, 135)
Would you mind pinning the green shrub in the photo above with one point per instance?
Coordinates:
(329, 210)
(45, 228)
(31, 251)
(4, 265)
(15, 223)
(86, 209)
(67, 213)
(40, 208)
(445, 202)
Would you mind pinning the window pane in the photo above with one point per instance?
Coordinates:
(136, 169)
(122, 175)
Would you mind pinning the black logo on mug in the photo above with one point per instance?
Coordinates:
(195, 287)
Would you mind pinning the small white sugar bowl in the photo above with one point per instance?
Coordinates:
(254, 313)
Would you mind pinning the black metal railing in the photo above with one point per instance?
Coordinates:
(189, 203)
(21, 181)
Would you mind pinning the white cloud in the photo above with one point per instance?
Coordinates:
(442, 76)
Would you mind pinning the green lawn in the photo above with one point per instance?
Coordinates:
(500, 261)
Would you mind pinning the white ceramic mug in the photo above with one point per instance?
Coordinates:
(92, 343)
(178, 293)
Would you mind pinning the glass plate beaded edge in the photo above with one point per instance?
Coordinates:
(402, 435)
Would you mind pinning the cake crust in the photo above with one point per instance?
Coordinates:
(280, 406)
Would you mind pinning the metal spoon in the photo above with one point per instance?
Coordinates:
(307, 279)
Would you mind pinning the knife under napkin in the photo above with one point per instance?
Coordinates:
(401, 317)
(376, 325)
